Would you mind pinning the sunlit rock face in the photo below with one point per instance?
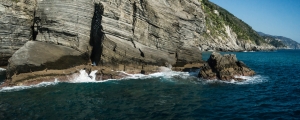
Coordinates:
(128, 32)
(151, 31)
(105, 33)
(16, 21)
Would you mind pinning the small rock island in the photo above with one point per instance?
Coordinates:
(225, 67)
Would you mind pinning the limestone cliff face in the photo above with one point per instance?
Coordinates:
(16, 20)
(109, 33)
(66, 23)
(151, 31)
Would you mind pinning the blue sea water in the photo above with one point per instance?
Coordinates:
(274, 93)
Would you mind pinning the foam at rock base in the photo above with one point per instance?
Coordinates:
(18, 88)
(257, 79)
(84, 77)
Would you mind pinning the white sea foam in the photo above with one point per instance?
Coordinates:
(257, 79)
(84, 77)
(18, 88)
(166, 74)
(248, 51)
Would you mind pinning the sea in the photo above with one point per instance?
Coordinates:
(273, 93)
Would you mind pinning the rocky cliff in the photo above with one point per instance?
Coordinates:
(287, 42)
(225, 32)
(16, 21)
(121, 35)
(275, 42)
(109, 33)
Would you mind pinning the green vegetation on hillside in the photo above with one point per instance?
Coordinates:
(215, 23)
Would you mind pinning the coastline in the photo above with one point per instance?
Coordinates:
(103, 73)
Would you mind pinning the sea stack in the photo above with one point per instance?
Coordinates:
(225, 67)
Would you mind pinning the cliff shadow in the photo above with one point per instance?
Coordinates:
(96, 34)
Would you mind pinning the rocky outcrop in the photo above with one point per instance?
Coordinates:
(225, 67)
(38, 56)
(116, 35)
(135, 36)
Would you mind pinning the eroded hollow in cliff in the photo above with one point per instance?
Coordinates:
(97, 34)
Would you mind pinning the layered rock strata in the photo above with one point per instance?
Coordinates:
(16, 21)
(136, 36)
(225, 67)
(133, 36)
(152, 32)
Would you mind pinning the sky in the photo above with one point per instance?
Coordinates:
(273, 17)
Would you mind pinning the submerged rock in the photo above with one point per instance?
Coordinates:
(224, 68)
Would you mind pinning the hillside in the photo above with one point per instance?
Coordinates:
(289, 43)
(223, 26)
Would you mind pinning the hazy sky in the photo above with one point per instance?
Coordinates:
(274, 17)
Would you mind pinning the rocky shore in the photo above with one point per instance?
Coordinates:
(222, 67)
(47, 39)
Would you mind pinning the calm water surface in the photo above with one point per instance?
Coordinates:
(274, 93)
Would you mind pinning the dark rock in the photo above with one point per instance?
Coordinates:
(224, 68)
(143, 72)
(207, 73)
(2, 71)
